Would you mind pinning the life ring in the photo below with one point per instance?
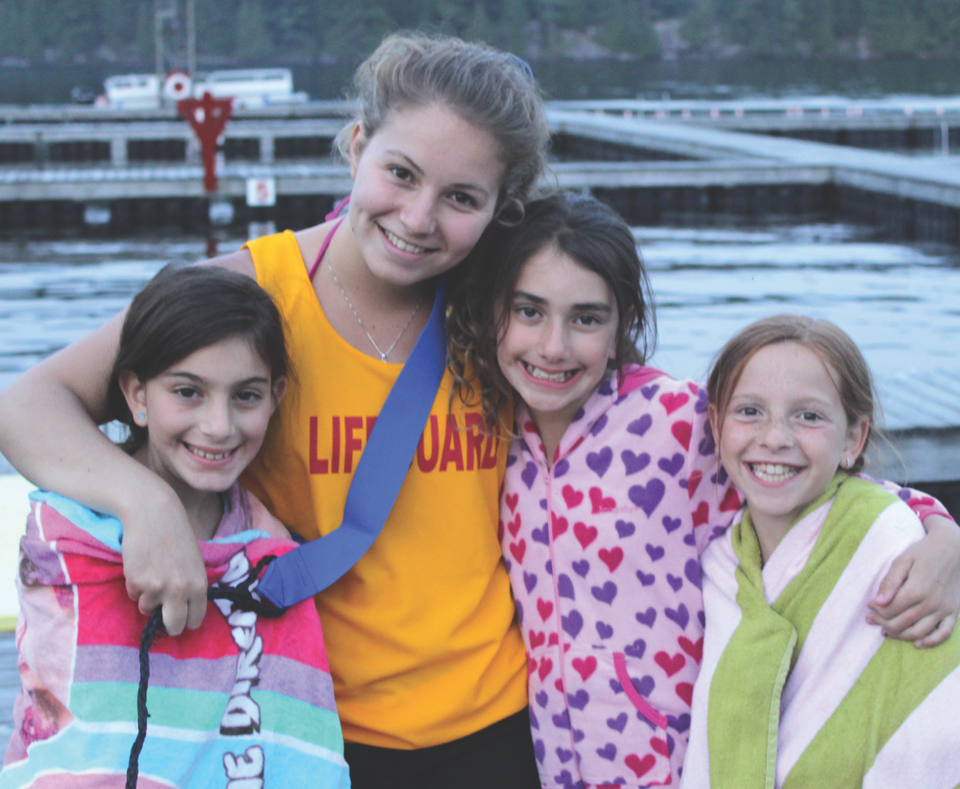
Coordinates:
(177, 86)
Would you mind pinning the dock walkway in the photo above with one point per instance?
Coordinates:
(152, 156)
(886, 173)
(180, 181)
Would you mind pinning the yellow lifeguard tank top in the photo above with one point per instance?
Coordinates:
(421, 633)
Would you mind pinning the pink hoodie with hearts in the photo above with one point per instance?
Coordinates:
(603, 553)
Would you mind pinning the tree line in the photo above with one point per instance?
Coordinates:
(228, 31)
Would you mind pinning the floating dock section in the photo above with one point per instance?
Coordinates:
(732, 173)
(657, 162)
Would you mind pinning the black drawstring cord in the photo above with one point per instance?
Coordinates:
(154, 623)
(242, 597)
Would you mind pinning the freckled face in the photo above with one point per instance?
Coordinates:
(206, 416)
(561, 331)
(426, 187)
(785, 432)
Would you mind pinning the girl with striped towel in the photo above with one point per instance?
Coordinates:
(246, 700)
(795, 688)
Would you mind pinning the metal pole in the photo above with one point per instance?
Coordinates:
(191, 40)
(158, 39)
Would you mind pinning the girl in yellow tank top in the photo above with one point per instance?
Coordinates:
(428, 664)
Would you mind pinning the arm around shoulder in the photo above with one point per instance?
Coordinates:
(920, 597)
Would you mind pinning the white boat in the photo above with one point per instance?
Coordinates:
(248, 87)
(131, 91)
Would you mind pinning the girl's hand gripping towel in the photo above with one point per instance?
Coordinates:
(796, 689)
(243, 702)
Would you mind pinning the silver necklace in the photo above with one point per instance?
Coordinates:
(346, 298)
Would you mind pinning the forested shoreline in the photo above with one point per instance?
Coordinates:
(34, 32)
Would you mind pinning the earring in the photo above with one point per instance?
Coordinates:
(142, 417)
(847, 462)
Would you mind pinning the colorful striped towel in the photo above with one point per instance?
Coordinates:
(796, 690)
(244, 702)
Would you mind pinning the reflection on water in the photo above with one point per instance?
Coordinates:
(901, 303)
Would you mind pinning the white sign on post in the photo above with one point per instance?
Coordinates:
(261, 191)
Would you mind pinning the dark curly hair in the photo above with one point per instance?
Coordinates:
(482, 287)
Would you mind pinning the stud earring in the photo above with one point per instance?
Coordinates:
(142, 417)
(847, 462)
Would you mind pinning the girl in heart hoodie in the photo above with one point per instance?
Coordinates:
(612, 491)
(603, 549)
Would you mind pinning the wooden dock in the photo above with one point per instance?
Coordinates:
(917, 124)
(887, 173)
(175, 181)
(656, 162)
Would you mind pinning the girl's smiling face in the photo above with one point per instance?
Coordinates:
(560, 333)
(206, 416)
(785, 433)
(426, 187)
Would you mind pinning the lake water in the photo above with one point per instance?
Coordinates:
(900, 302)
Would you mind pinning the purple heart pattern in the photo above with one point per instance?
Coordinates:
(619, 518)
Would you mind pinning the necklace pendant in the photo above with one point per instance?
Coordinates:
(346, 298)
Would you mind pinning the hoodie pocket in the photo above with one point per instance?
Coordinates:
(618, 735)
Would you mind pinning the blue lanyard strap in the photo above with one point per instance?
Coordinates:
(376, 483)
